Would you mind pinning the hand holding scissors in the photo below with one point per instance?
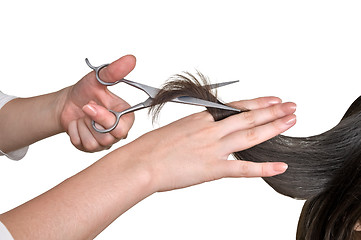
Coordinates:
(152, 92)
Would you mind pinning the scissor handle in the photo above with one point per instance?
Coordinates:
(117, 118)
(97, 70)
(117, 115)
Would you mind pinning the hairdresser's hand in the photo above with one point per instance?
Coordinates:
(195, 149)
(89, 100)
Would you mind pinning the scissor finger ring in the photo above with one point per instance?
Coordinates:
(117, 118)
(97, 70)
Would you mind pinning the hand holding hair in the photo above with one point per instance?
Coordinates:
(324, 169)
(195, 149)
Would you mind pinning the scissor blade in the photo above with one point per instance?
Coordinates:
(201, 102)
(150, 91)
(217, 85)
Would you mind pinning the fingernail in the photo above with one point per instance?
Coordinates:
(289, 107)
(292, 105)
(280, 167)
(290, 120)
(90, 110)
(274, 101)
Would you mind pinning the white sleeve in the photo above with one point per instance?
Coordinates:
(20, 153)
(4, 233)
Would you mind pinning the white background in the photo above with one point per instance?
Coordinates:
(307, 51)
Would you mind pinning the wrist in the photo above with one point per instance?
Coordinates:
(129, 164)
(33, 119)
(58, 108)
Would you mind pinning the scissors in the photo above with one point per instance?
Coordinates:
(152, 92)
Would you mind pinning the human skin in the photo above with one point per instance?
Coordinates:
(189, 151)
(27, 120)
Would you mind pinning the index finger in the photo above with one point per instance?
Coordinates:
(104, 119)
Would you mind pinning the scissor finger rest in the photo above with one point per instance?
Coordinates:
(97, 70)
(118, 115)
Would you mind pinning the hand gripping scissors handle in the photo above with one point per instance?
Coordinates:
(152, 92)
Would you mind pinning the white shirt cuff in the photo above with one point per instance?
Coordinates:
(20, 153)
(17, 154)
(4, 233)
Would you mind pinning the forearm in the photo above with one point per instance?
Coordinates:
(24, 121)
(83, 205)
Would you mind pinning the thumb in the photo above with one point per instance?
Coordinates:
(118, 69)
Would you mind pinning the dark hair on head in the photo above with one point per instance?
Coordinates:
(324, 169)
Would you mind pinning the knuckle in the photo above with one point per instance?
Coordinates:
(75, 141)
(244, 169)
(249, 118)
(239, 104)
(251, 135)
(210, 130)
(107, 141)
(277, 126)
(201, 116)
(274, 111)
(91, 145)
(120, 134)
(265, 169)
(261, 102)
(121, 131)
(122, 106)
